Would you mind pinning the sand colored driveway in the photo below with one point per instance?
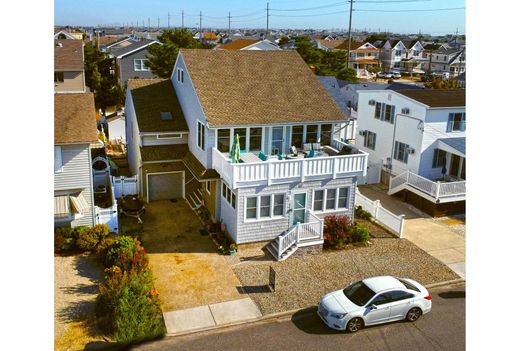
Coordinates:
(187, 269)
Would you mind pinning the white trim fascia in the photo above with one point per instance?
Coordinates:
(118, 42)
(192, 86)
(138, 49)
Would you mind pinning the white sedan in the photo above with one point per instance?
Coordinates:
(373, 301)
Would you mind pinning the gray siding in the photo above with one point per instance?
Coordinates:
(269, 229)
(126, 67)
(76, 175)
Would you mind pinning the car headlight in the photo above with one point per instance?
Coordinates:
(339, 315)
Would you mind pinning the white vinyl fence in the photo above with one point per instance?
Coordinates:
(124, 186)
(394, 222)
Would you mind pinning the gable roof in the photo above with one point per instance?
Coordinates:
(257, 87)
(74, 118)
(135, 46)
(438, 97)
(66, 34)
(330, 44)
(333, 88)
(68, 54)
(238, 44)
(150, 98)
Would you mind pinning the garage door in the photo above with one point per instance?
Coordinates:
(165, 186)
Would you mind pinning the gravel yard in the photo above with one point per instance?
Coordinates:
(301, 281)
(76, 280)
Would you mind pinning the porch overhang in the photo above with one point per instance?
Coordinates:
(61, 206)
(456, 146)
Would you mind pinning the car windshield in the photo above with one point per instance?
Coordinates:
(358, 293)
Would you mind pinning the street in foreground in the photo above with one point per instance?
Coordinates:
(442, 329)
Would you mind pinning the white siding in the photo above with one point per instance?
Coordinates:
(116, 129)
(192, 113)
(132, 135)
(228, 214)
(76, 175)
(148, 140)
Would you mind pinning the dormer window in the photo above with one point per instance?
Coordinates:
(58, 77)
(180, 75)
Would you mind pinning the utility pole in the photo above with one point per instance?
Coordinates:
(143, 26)
(168, 19)
(148, 23)
(182, 19)
(200, 26)
(229, 24)
(267, 31)
(349, 33)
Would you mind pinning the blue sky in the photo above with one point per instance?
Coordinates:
(252, 14)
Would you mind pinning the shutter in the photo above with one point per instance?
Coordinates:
(435, 158)
(57, 159)
(463, 123)
(396, 146)
(450, 123)
(374, 142)
(392, 115)
(406, 147)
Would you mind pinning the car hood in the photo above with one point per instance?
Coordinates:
(337, 302)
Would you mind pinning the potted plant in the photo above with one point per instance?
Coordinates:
(233, 249)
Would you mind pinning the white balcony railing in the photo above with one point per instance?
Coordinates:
(274, 171)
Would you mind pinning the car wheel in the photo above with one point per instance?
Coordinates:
(413, 314)
(354, 325)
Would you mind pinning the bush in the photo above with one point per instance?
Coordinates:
(103, 246)
(80, 230)
(87, 240)
(127, 254)
(101, 230)
(337, 231)
(361, 233)
(361, 213)
(63, 239)
(128, 306)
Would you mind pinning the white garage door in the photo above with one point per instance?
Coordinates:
(165, 186)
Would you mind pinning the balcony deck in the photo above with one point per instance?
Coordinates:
(325, 165)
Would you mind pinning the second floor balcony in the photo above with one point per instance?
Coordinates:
(339, 160)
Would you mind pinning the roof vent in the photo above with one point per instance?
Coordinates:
(60, 45)
(166, 116)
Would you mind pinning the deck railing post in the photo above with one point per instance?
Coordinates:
(376, 208)
(303, 170)
(269, 181)
(334, 168)
(438, 190)
(401, 229)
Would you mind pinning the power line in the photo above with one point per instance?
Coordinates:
(313, 8)
(417, 10)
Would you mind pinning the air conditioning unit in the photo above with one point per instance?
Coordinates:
(410, 150)
(405, 111)
(372, 102)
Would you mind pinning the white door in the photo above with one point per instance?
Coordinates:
(165, 186)
(378, 310)
(373, 174)
(401, 303)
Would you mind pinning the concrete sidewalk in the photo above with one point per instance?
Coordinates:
(209, 316)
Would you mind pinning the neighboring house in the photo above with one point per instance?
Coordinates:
(271, 101)
(74, 134)
(130, 59)
(391, 54)
(327, 44)
(249, 44)
(116, 126)
(363, 56)
(65, 35)
(446, 61)
(351, 91)
(418, 137)
(415, 60)
(69, 69)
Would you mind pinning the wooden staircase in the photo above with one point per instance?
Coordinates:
(194, 199)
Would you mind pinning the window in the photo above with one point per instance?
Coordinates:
(166, 116)
(398, 295)
(400, 153)
(379, 108)
(439, 158)
(311, 135)
(58, 77)
(445, 58)
(169, 136)
(398, 53)
(456, 122)
(241, 137)
(389, 113)
(370, 140)
(343, 198)
(325, 136)
(297, 136)
(180, 75)
(330, 204)
(57, 159)
(276, 140)
(409, 285)
(251, 208)
(379, 300)
(141, 65)
(278, 205)
(255, 139)
(265, 206)
(227, 194)
(318, 200)
(201, 135)
(416, 53)
(223, 140)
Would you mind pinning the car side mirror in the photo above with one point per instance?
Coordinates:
(373, 307)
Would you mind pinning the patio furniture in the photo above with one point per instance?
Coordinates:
(249, 157)
(310, 154)
(294, 150)
(262, 156)
(132, 206)
(280, 157)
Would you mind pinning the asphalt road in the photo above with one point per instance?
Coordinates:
(441, 329)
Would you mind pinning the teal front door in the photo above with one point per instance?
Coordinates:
(299, 202)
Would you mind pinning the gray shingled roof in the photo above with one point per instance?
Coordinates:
(134, 46)
(458, 144)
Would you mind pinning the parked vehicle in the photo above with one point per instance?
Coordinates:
(383, 75)
(395, 75)
(373, 301)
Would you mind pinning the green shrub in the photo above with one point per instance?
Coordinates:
(361, 213)
(103, 246)
(128, 306)
(101, 230)
(80, 230)
(63, 239)
(127, 254)
(337, 231)
(361, 233)
(87, 240)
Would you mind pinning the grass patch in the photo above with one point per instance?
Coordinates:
(78, 334)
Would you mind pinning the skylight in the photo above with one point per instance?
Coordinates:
(166, 116)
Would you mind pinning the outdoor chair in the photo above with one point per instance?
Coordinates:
(262, 156)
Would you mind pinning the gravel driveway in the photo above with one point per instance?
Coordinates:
(301, 281)
(76, 280)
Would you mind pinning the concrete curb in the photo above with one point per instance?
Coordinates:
(291, 312)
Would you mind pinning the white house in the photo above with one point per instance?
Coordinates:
(418, 136)
(249, 44)
(271, 101)
(391, 54)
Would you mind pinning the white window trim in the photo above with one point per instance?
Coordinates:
(201, 143)
(336, 200)
(58, 156)
(143, 67)
(223, 194)
(271, 208)
(169, 136)
(180, 75)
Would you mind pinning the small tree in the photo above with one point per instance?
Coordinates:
(348, 74)
(283, 40)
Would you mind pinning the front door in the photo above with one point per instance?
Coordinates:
(299, 203)
(454, 165)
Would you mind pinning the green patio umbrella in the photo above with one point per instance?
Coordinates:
(235, 149)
